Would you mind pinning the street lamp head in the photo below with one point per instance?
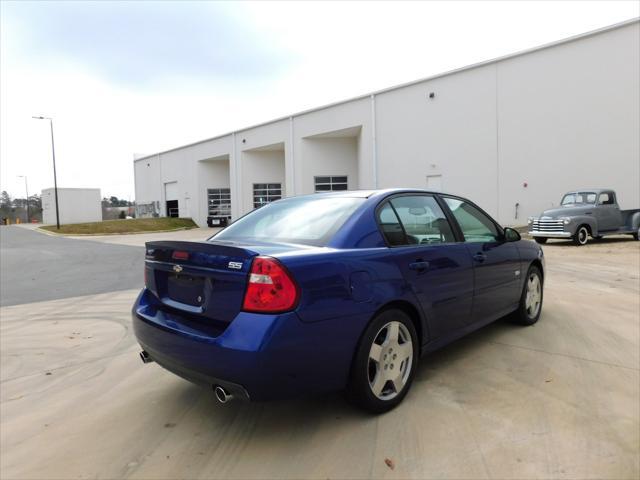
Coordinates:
(41, 118)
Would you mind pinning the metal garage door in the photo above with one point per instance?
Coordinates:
(171, 191)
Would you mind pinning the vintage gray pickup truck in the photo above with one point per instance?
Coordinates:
(584, 213)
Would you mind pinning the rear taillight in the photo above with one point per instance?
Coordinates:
(271, 288)
(180, 255)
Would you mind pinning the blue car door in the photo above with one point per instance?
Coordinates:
(496, 263)
(438, 270)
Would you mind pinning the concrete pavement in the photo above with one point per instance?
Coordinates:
(557, 400)
(35, 266)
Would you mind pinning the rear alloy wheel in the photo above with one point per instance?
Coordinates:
(385, 362)
(581, 236)
(530, 305)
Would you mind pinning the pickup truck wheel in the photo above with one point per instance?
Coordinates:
(581, 236)
(530, 306)
(385, 362)
(540, 240)
(636, 235)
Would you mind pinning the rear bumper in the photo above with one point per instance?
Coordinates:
(256, 356)
(535, 233)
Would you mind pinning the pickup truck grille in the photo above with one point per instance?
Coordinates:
(540, 225)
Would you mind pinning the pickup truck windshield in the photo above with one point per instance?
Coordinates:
(306, 221)
(579, 198)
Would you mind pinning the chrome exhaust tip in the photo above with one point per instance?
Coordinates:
(145, 357)
(222, 395)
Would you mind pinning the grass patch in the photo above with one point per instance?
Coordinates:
(134, 225)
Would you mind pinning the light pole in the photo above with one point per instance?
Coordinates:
(26, 188)
(55, 180)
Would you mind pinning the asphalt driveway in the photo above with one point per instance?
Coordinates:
(36, 267)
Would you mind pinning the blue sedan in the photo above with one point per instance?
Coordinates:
(333, 291)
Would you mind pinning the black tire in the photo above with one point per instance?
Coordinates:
(540, 240)
(636, 236)
(523, 315)
(359, 390)
(581, 236)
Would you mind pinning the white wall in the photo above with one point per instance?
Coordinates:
(261, 167)
(148, 181)
(75, 205)
(569, 118)
(453, 134)
(329, 156)
(558, 118)
(353, 115)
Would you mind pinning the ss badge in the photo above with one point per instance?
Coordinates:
(235, 265)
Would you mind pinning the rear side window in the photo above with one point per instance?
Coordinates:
(475, 225)
(390, 225)
(413, 220)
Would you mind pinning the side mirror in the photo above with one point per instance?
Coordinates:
(511, 235)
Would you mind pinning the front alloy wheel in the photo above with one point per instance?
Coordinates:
(533, 295)
(530, 305)
(581, 236)
(384, 363)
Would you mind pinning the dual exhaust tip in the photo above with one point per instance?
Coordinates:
(222, 395)
(145, 357)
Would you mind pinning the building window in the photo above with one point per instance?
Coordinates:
(330, 184)
(219, 202)
(264, 193)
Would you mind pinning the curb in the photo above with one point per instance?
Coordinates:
(54, 234)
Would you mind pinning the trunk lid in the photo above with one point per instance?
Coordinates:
(205, 279)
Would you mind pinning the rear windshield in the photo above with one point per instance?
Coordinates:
(305, 220)
(579, 198)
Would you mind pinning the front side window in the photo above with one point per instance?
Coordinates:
(302, 220)
(475, 225)
(579, 198)
(264, 193)
(330, 183)
(414, 220)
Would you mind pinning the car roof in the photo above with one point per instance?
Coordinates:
(594, 190)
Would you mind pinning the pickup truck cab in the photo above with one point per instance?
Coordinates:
(584, 213)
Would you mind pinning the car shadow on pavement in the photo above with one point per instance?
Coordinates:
(334, 406)
(591, 242)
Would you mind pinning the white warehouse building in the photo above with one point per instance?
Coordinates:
(511, 134)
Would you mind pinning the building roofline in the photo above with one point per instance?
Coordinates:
(484, 63)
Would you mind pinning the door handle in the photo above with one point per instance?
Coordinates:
(419, 265)
(479, 257)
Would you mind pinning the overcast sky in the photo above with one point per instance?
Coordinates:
(139, 77)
